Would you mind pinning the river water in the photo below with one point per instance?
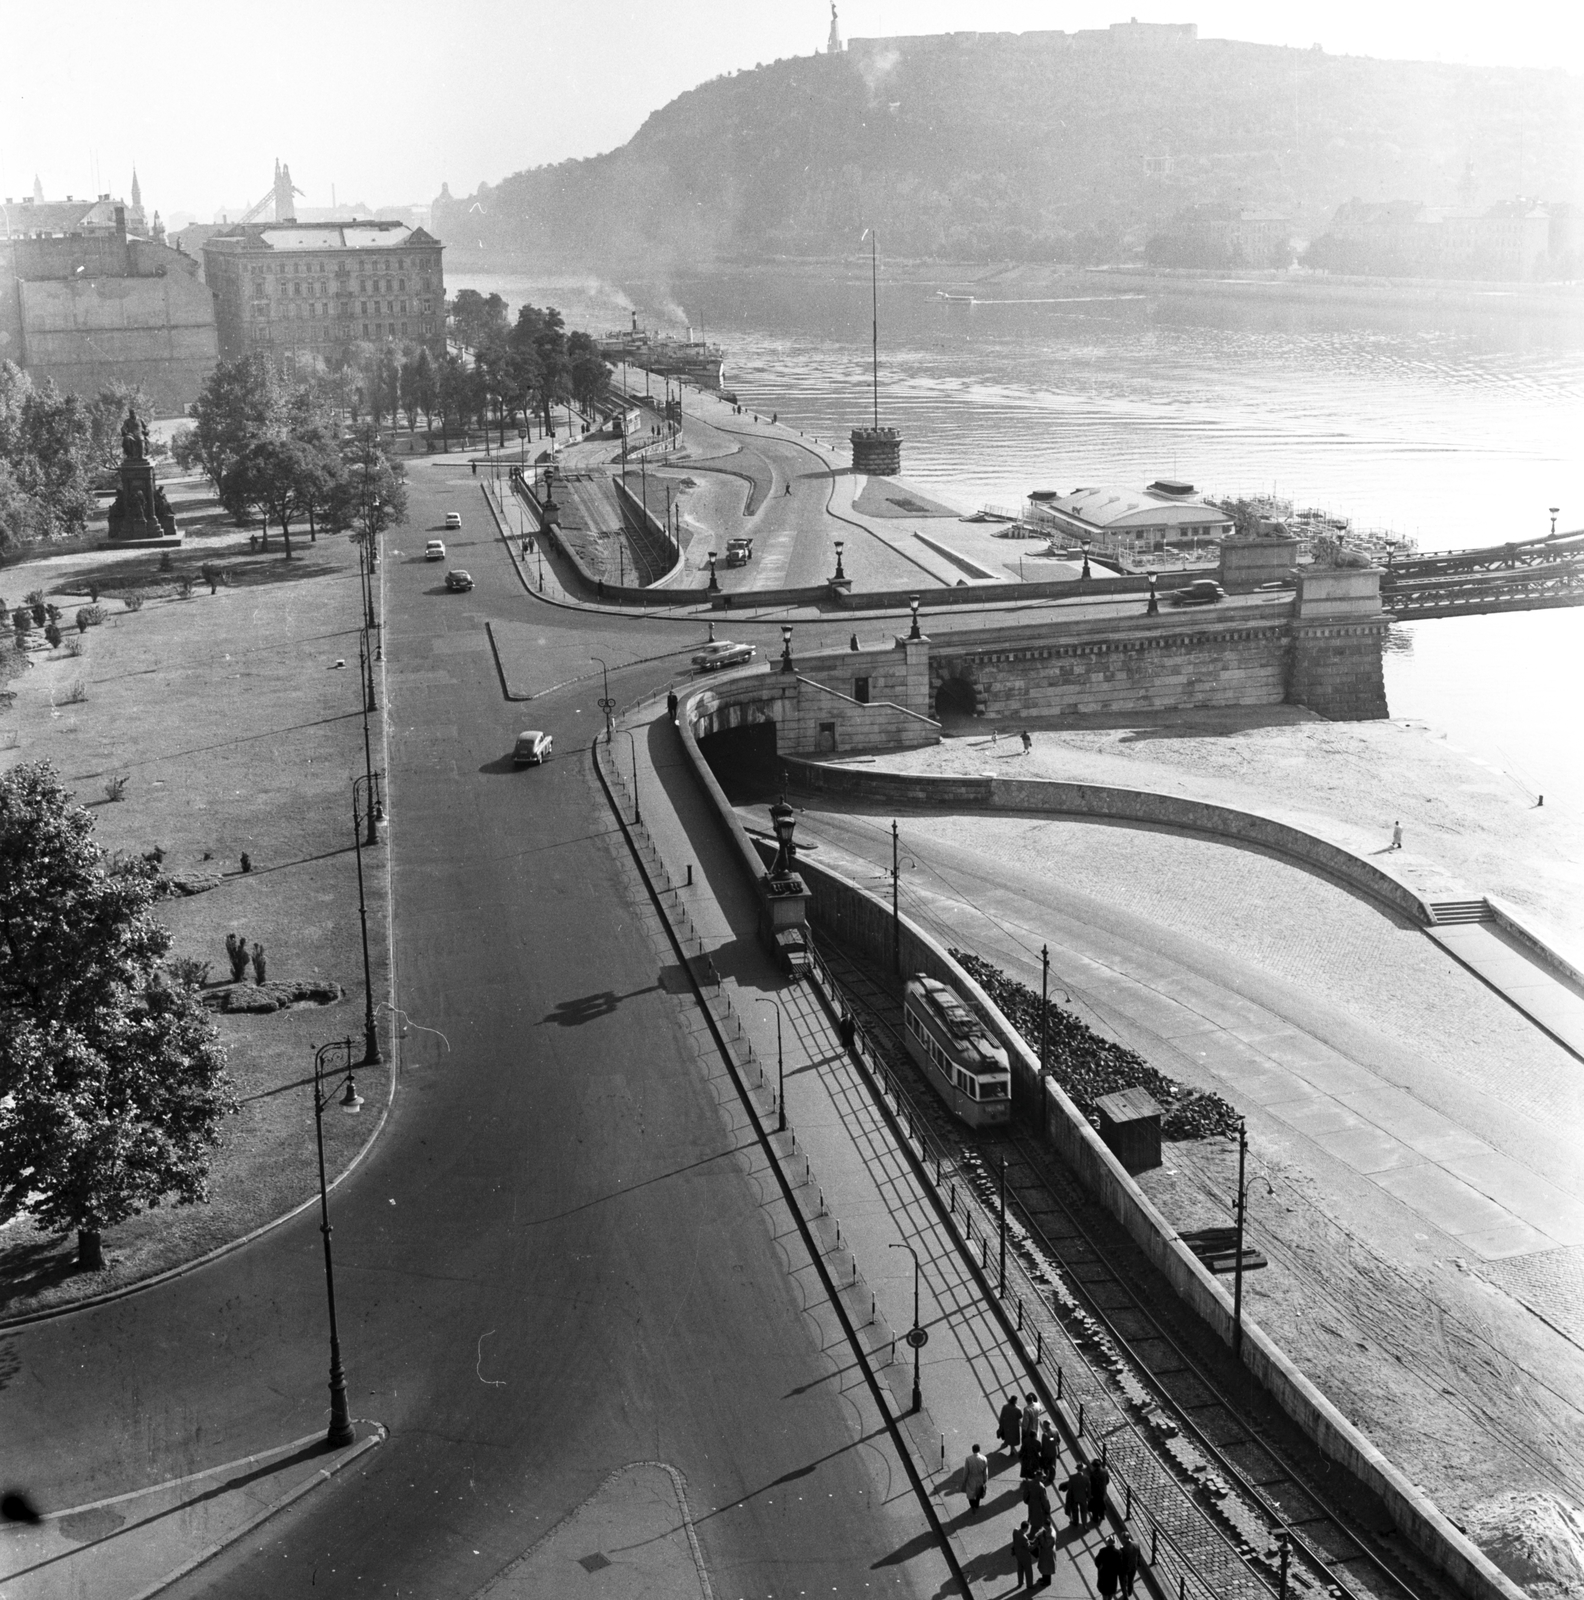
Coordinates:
(1457, 426)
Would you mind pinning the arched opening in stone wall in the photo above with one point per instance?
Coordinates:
(956, 697)
(743, 760)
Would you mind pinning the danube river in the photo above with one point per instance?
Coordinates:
(1455, 425)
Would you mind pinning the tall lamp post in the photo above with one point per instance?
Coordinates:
(767, 1000)
(634, 744)
(917, 1336)
(340, 1434)
(607, 705)
(1554, 510)
(371, 1049)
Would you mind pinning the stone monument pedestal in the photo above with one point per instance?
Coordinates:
(140, 514)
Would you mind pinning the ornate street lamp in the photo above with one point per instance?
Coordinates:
(340, 1434)
(841, 577)
(1085, 572)
(714, 583)
(1153, 608)
(1554, 510)
(783, 820)
(913, 632)
(786, 647)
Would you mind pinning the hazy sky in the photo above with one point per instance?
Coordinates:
(387, 100)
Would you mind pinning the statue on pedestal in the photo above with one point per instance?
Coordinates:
(134, 437)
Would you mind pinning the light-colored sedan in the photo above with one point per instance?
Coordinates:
(435, 550)
(533, 748)
(723, 653)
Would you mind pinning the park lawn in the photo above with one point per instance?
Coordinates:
(235, 731)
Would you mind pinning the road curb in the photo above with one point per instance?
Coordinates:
(323, 1475)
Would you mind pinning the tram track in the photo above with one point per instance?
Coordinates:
(1152, 1367)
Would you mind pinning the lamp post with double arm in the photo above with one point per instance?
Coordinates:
(371, 1049)
(340, 1433)
(916, 1336)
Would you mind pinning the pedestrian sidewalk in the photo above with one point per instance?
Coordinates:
(135, 1544)
(1543, 995)
(845, 1150)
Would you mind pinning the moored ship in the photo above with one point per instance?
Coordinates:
(664, 354)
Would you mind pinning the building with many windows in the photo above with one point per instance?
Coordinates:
(315, 287)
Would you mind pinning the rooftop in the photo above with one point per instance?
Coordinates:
(350, 234)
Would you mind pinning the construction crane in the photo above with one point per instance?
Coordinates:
(281, 193)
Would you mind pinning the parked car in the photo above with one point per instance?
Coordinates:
(453, 520)
(1201, 592)
(459, 581)
(723, 653)
(532, 748)
(435, 550)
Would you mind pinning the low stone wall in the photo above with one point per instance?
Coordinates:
(1055, 797)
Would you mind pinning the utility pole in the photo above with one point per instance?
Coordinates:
(1001, 1288)
(1044, 1010)
(1237, 1269)
(896, 910)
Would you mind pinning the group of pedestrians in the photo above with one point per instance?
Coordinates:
(1026, 1431)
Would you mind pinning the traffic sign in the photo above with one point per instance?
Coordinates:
(917, 1337)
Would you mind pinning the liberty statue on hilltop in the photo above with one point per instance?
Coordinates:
(833, 45)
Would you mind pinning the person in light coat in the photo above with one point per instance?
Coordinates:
(976, 1477)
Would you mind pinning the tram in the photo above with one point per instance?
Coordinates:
(969, 1071)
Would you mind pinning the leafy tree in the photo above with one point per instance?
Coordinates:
(543, 333)
(242, 401)
(475, 318)
(457, 394)
(383, 389)
(46, 445)
(278, 475)
(588, 376)
(419, 390)
(374, 494)
(112, 1077)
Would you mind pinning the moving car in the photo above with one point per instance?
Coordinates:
(459, 581)
(1201, 592)
(723, 653)
(453, 519)
(532, 748)
(435, 550)
(739, 552)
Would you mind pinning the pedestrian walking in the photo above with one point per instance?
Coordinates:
(1028, 743)
(789, 488)
(1023, 1554)
(1010, 1423)
(1038, 1503)
(1029, 1456)
(1106, 1569)
(1127, 1564)
(1396, 843)
(847, 1031)
(853, 642)
(1047, 1452)
(1045, 1555)
(1075, 1494)
(671, 706)
(1033, 1415)
(976, 1477)
(1099, 1482)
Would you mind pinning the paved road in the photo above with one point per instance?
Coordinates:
(563, 1256)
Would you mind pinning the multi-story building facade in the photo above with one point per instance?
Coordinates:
(316, 287)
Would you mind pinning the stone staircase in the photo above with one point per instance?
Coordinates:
(1443, 912)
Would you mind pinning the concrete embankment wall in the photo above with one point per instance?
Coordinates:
(1055, 797)
(809, 717)
(858, 916)
(596, 588)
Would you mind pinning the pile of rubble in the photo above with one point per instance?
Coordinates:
(1087, 1066)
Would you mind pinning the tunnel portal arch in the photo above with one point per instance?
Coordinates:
(956, 697)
